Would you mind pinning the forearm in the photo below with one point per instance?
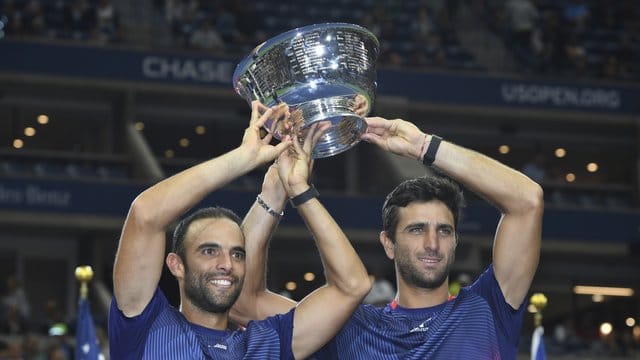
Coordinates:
(507, 189)
(255, 301)
(343, 268)
(320, 315)
(166, 201)
(258, 227)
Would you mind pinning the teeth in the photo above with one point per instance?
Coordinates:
(221, 282)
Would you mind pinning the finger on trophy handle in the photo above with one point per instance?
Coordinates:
(309, 137)
(296, 123)
(360, 105)
(284, 125)
(261, 108)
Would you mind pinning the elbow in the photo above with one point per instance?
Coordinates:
(533, 199)
(536, 198)
(358, 287)
(142, 212)
(366, 287)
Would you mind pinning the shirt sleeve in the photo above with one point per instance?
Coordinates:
(283, 325)
(127, 335)
(508, 319)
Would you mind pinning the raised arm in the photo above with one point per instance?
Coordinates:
(516, 247)
(256, 302)
(320, 315)
(140, 256)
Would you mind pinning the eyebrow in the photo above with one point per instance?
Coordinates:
(416, 224)
(217, 246)
(426, 223)
(208, 245)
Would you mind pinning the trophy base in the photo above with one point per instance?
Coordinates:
(346, 125)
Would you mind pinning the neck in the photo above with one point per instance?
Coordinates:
(411, 296)
(195, 315)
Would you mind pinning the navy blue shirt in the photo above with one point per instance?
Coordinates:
(477, 324)
(162, 332)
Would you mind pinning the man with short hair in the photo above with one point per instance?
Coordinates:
(208, 260)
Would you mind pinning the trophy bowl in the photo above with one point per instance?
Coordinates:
(324, 72)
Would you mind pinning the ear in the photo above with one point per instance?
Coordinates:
(387, 244)
(175, 265)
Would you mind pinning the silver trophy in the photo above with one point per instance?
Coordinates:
(324, 72)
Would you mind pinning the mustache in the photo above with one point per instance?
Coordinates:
(431, 254)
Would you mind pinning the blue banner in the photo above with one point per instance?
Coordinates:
(478, 90)
(99, 199)
(200, 69)
(112, 64)
(66, 197)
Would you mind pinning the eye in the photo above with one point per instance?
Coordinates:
(210, 251)
(446, 231)
(416, 230)
(238, 255)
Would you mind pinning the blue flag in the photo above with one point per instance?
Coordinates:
(87, 347)
(537, 344)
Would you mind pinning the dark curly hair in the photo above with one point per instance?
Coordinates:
(431, 187)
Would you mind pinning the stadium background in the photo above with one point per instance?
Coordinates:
(120, 94)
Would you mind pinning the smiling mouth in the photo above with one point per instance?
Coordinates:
(221, 283)
(430, 260)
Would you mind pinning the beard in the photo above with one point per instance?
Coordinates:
(196, 287)
(414, 275)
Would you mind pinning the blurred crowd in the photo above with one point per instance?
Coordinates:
(79, 20)
(573, 38)
(45, 333)
(412, 33)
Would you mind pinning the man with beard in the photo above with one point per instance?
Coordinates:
(208, 260)
(420, 221)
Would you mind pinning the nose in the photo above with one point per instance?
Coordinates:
(224, 262)
(431, 241)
